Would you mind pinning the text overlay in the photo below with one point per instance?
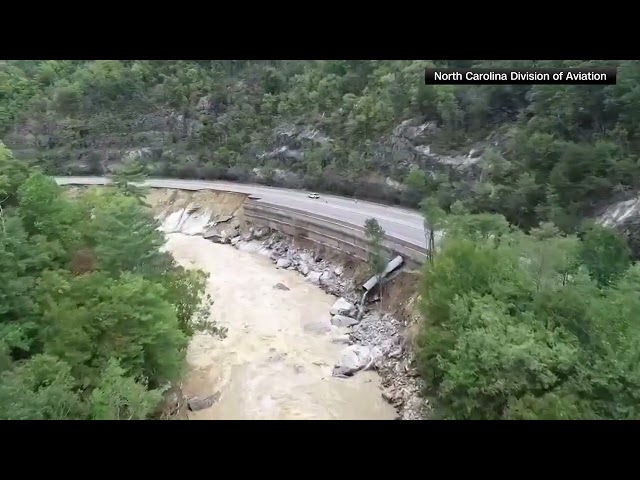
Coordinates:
(505, 76)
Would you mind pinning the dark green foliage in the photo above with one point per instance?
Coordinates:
(538, 326)
(94, 318)
(375, 235)
(119, 396)
(605, 253)
(561, 152)
(128, 178)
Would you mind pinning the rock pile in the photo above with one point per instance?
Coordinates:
(374, 340)
(395, 364)
(196, 403)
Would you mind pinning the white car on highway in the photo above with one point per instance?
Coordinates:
(313, 195)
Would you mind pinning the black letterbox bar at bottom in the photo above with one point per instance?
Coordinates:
(508, 76)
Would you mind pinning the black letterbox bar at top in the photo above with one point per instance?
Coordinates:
(494, 76)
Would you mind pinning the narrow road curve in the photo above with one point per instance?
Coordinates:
(400, 223)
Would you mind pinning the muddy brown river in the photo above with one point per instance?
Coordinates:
(277, 358)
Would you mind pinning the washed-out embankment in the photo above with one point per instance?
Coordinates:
(301, 343)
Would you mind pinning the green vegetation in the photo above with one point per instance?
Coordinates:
(537, 326)
(126, 177)
(529, 312)
(377, 259)
(94, 319)
(552, 153)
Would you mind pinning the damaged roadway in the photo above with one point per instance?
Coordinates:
(399, 223)
(372, 340)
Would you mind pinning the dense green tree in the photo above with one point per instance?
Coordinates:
(118, 396)
(128, 178)
(516, 328)
(605, 253)
(94, 318)
(375, 235)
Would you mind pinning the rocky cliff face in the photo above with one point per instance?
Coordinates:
(408, 144)
(167, 138)
(212, 214)
(411, 143)
(625, 217)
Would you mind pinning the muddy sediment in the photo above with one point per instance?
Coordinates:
(277, 359)
(380, 334)
(285, 355)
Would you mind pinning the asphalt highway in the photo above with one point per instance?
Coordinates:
(399, 223)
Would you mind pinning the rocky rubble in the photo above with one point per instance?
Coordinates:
(395, 364)
(374, 340)
(196, 403)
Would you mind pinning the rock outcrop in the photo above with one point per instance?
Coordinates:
(342, 307)
(355, 358)
(196, 404)
(624, 216)
(410, 143)
(215, 215)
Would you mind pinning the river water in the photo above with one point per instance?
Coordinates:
(277, 358)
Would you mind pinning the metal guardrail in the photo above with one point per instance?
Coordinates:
(411, 250)
(310, 233)
(331, 220)
(284, 215)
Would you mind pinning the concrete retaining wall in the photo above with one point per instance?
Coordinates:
(335, 234)
(327, 231)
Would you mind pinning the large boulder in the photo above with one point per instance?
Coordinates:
(343, 321)
(327, 279)
(217, 238)
(354, 358)
(260, 233)
(306, 257)
(303, 268)
(314, 277)
(196, 403)
(343, 307)
(344, 339)
(283, 263)
(222, 232)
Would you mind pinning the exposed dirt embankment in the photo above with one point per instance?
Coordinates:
(212, 214)
(165, 200)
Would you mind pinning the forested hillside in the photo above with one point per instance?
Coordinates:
(94, 319)
(365, 128)
(537, 326)
(539, 321)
